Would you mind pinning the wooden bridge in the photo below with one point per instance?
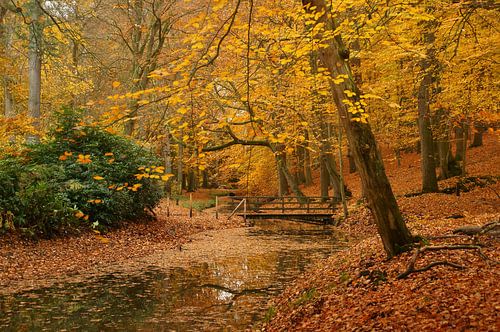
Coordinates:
(318, 210)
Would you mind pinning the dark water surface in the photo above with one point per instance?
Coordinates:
(221, 281)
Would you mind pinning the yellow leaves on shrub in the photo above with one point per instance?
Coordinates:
(116, 84)
(84, 159)
(65, 155)
(98, 178)
(95, 201)
(81, 215)
(140, 176)
(135, 187)
(166, 177)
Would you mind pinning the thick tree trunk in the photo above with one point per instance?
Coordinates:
(391, 227)
(34, 69)
(427, 154)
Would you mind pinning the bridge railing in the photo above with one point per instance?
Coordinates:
(274, 204)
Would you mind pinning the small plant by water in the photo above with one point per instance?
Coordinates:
(306, 296)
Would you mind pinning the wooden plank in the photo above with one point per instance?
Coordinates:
(278, 208)
(323, 218)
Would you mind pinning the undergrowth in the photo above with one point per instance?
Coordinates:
(79, 176)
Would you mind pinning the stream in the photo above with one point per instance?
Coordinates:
(220, 281)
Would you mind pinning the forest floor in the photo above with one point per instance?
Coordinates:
(26, 264)
(358, 289)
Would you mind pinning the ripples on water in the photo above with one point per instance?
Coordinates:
(229, 292)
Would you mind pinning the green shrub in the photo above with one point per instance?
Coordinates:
(80, 175)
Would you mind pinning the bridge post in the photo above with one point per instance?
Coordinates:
(190, 205)
(245, 210)
(168, 206)
(216, 207)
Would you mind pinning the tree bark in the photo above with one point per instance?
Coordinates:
(34, 69)
(167, 160)
(307, 162)
(324, 179)
(6, 41)
(478, 135)
(299, 169)
(350, 158)
(391, 227)
(205, 180)
(427, 68)
(443, 145)
(180, 164)
(290, 180)
(192, 181)
(460, 143)
(282, 181)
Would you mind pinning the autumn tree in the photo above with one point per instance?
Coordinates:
(391, 227)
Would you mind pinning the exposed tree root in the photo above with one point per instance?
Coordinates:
(411, 265)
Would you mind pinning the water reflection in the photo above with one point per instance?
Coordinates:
(229, 292)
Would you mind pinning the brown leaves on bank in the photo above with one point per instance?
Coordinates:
(359, 289)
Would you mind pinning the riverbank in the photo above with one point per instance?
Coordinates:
(359, 290)
(25, 264)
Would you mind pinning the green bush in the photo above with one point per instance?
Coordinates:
(80, 176)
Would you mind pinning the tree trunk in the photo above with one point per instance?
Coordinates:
(443, 145)
(205, 182)
(34, 69)
(478, 136)
(427, 154)
(167, 160)
(350, 158)
(397, 153)
(391, 227)
(324, 179)
(192, 181)
(331, 167)
(180, 164)
(290, 180)
(301, 177)
(463, 152)
(460, 143)
(6, 41)
(282, 182)
(307, 162)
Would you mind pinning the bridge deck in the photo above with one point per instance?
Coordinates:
(323, 218)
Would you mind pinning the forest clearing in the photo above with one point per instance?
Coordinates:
(244, 165)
